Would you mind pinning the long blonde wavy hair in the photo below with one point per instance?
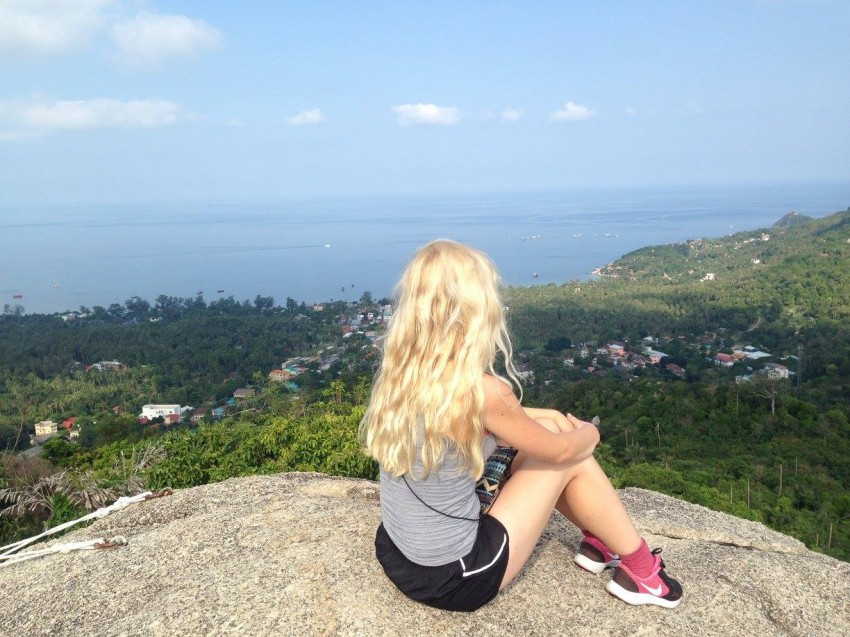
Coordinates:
(446, 331)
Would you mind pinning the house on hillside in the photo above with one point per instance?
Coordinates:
(149, 412)
(616, 349)
(677, 371)
(44, 431)
(751, 352)
(245, 392)
(281, 375)
(724, 360)
(653, 355)
(198, 414)
(525, 372)
(103, 366)
(776, 371)
(295, 365)
(45, 428)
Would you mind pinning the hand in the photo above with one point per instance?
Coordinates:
(577, 423)
(583, 424)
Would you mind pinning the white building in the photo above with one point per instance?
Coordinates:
(751, 352)
(108, 365)
(45, 428)
(154, 411)
(775, 370)
(524, 372)
(654, 355)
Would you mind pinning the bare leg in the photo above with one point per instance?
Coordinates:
(580, 490)
(591, 503)
(621, 521)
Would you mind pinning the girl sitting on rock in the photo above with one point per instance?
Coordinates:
(438, 406)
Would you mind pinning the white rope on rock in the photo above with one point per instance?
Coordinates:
(9, 555)
(99, 543)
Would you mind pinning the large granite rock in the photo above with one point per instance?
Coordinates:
(292, 554)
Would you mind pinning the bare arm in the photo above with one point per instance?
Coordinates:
(552, 415)
(504, 417)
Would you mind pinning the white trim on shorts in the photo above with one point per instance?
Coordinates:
(484, 568)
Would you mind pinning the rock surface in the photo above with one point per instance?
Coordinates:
(292, 554)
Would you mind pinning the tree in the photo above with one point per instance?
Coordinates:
(59, 451)
(558, 343)
(137, 308)
(263, 303)
(769, 388)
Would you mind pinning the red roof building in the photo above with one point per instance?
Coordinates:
(725, 360)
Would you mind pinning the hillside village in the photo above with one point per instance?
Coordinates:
(356, 330)
(354, 342)
(619, 356)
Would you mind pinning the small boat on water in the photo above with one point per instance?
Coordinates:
(220, 290)
(17, 296)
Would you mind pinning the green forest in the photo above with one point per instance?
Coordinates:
(736, 439)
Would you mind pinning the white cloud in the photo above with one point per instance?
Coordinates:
(572, 112)
(29, 120)
(631, 111)
(38, 28)
(412, 114)
(511, 114)
(151, 38)
(34, 28)
(306, 118)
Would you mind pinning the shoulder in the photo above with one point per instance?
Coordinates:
(498, 392)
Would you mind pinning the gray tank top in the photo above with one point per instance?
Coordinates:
(425, 536)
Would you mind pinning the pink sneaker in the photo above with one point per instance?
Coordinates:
(659, 588)
(594, 556)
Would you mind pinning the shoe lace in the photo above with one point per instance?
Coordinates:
(656, 551)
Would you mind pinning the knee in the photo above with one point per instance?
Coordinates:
(549, 424)
(588, 466)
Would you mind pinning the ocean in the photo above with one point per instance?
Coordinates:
(57, 259)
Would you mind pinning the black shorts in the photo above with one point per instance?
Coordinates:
(463, 585)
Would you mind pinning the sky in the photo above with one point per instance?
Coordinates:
(121, 101)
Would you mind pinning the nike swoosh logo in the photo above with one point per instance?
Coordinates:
(654, 591)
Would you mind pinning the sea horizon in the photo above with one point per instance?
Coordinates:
(59, 258)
